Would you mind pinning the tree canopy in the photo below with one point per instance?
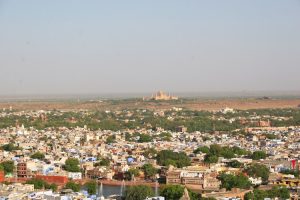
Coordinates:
(73, 186)
(150, 153)
(132, 172)
(197, 121)
(8, 166)
(138, 192)
(38, 155)
(230, 181)
(40, 184)
(111, 139)
(257, 155)
(202, 149)
(215, 151)
(149, 170)
(258, 170)
(168, 157)
(91, 187)
(10, 147)
(210, 158)
(72, 165)
(235, 164)
(171, 192)
(138, 137)
(103, 162)
(275, 192)
(296, 172)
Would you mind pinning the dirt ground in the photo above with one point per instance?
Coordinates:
(196, 104)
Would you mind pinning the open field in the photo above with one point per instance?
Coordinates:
(193, 104)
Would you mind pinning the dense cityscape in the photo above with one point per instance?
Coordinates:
(149, 100)
(174, 153)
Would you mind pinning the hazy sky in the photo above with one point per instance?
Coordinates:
(67, 47)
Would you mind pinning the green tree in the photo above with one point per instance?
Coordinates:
(227, 153)
(103, 162)
(275, 192)
(257, 155)
(150, 153)
(280, 192)
(52, 186)
(72, 165)
(169, 162)
(210, 158)
(166, 157)
(41, 184)
(296, 172)
(131, 172)
(230, 181)
(239, 151)
(10, 147)
(235, 164)
(165, 136)
(110, 139)
(171, 192)
(149, 170)
(8, 166)
(38, 155)
(144, 138)
(215, 149)
(73, 186)
(203, 149)
(256, 195)
(91, 187)
(38, 183)
(258, 170)
(138, 192)
(270, 136)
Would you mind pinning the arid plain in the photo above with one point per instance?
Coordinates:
(192, 104)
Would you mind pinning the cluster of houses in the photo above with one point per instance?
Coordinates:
(59, 144)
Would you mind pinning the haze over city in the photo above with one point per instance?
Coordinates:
(97, 47)
(149, 100)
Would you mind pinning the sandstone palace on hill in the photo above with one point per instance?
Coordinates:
(160, 95)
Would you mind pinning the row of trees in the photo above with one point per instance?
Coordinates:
(40, 184)
(295, 172)
(215, 151)
(170, 192)
(229, 181)
(275, 192)
(195, 121)
(10, 147)
(38, 155)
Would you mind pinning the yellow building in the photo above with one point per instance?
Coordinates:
(160, 95)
